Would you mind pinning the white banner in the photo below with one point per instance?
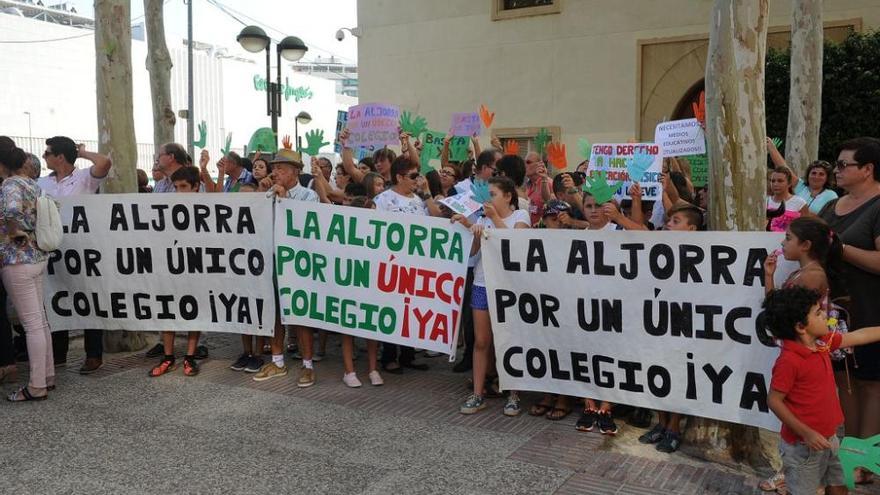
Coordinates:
(183, 262)
(680, 138)
(663, 320)
(383, 276)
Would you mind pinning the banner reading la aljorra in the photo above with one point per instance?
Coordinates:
(183, 262)
(661, 320)
(390, 277)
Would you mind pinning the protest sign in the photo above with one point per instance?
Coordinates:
(373, 124)
(616, 158)
(463, 203)
(465, 124)
(699, 169)
(432, 145)
(341, 122)
(183, 262)
(661, 320)
(680, 138)
(383, 276)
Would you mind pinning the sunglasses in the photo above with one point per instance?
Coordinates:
(447, 173)
(843, 164)
(413, 175)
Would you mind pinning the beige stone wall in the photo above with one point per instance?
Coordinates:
(606, 70)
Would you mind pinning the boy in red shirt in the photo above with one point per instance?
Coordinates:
(802, 391)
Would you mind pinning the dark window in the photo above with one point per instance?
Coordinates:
(523, 4)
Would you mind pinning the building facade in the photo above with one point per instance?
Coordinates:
(604, 70)
(47, 88)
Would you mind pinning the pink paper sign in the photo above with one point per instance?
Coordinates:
(373, 124)
(465, 124)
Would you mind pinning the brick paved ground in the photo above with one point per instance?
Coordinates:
(119, 431)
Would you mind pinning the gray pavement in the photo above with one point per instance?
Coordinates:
(120, 431)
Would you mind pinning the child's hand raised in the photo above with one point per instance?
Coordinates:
(770, 265)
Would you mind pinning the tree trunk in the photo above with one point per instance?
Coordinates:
(116, 118)
(159, 65)
(735, 135)
(735, 123)
(805, 99)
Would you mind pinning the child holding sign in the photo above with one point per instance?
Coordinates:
(500, 212)
(186, 180)
(683, 217)
(803, 393)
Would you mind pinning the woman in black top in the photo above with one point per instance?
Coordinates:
(855, 218)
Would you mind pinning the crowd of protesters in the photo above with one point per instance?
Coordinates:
(830, 218)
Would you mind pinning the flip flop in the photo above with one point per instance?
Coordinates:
(24, 392)
(554, 416)
(540, 409)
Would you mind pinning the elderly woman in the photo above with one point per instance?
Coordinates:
(24, 268)
(855, 218)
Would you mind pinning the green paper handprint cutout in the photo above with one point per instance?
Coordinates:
(599, 188)
(228, 146)
(315, 141)
(412, 127)
(541, 141)
(203, 135)
(777, 142)
(585, 148)
(857, 453)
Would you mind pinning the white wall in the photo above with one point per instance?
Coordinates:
(577, 69)
(55, 82)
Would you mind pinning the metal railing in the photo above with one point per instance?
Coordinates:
(37, 145)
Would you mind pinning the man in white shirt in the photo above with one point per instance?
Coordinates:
(67, 180)
(284, 182)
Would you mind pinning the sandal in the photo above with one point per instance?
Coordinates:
(24, 392)
(557, 413)
(773, 483)
(393, 368)
(864, 477)
(540, 409)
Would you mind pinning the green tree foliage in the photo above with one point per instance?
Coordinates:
(850, 92)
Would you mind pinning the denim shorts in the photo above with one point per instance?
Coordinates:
(806, 470)
(479, 300)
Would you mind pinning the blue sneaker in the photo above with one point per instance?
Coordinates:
(473, 404)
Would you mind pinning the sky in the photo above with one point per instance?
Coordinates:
(314, 21)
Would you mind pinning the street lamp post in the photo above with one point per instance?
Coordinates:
(254, 40)
(301, 118)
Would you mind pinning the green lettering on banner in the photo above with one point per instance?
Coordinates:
(336, 231)
(311, 229)
(699, 169)
(283, 256)
(351, 272)
(417, 235)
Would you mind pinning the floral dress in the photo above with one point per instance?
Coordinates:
(18, 203)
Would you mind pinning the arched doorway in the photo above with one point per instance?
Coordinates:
(684, 109)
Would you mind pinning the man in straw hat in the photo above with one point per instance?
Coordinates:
(283, 182)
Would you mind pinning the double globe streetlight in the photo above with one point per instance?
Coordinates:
(254, 40)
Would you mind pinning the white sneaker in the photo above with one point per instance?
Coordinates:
(376, 379)
(351, 380)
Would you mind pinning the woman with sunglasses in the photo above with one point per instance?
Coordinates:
(855, 218)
